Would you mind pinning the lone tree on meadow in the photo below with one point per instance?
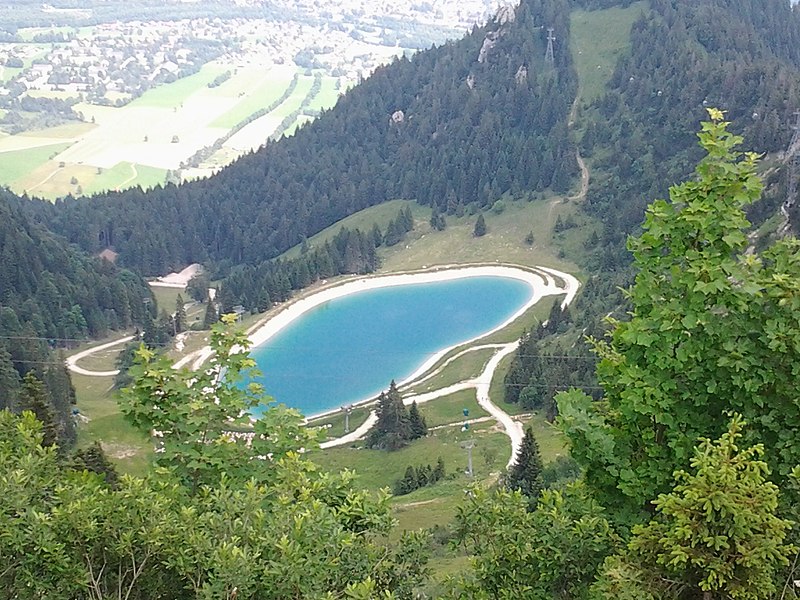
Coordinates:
(437, 221)
(416, 422)
(480, 227)
(396, 424)
(180, 315)
(210, 317)
(392, 430)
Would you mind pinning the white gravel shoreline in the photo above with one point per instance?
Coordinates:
(540, 281)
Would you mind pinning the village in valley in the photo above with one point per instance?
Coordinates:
(212, 88)
(346, 39)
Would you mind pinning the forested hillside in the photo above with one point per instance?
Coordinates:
(739, 55)
(639, 138)
(464, 123)
(52, 295)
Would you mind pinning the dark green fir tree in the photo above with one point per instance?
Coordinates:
(416, 422)
(93, 458)
(211, 315)
(408, 483)
(392, 430)
(9, 381)
(180, 315)
(437, 219)
(424, 475)
(33, 397)
(438, 470)
(526, 473)
(480, 227)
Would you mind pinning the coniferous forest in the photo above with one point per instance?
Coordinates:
(672, 374)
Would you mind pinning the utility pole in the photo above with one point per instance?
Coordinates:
(549, 56)
(347, 410)
(469, 444)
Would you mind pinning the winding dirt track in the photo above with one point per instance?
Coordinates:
(72, 360)
(584, 178)
(480, 384)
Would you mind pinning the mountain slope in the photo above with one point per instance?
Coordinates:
(52, 295)
(638, 134)
(460, 124)
(737, 55)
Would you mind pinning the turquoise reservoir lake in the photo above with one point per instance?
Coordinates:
(349, 348)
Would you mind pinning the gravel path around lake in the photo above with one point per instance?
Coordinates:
(481, 384)
(72, 360)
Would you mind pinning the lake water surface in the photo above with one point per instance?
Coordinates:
(350, 348)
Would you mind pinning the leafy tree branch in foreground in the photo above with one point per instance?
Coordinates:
(219, 518)
(716, 535)
(204, 419)
(713, 329)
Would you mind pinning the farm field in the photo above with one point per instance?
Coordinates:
(137, 144)
(254, 134)
(123, 175)
(328, 95)
(263, 89)
(16, 164)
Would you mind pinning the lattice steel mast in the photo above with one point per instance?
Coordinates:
(549, 56)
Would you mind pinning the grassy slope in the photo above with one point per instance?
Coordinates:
(448, 410)
(123, 174)
(364, 220)
(425, 247)
(504, 241)
(597, 39)
(376, 468)
(466, 366)
(102, 420)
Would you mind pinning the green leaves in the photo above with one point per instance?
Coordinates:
(67, 535)
(203, 418)
(713, 329)
(715, 532)
(552, 552)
